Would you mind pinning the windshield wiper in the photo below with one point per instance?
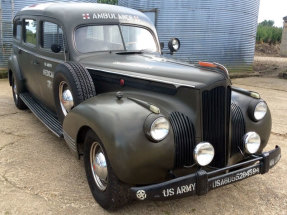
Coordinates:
(130, 52)
(135, 52)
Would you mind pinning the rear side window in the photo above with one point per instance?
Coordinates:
(30, 31)
(52, 34)
(17, 29)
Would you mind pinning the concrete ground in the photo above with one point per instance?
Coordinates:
(38, 174)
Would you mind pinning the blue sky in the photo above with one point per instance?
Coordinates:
(273, 10)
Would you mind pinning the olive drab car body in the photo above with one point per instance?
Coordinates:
(141, 119)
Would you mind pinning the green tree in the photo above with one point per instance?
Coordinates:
(267, 23)
(268, 33)
(108, 1)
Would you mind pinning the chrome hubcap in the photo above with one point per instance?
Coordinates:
(66, 98)
(99, 166)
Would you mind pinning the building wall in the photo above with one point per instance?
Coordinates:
(8, 9)
(5, 32)
(283, 47)
(223, 30)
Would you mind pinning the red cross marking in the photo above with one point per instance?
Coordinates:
(86, 16)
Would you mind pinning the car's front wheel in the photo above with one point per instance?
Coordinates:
(106, 188)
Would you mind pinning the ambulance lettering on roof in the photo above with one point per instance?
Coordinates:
(112, 16)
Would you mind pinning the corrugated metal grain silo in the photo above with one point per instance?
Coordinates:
(8, 8)
(5, 32)
(223, 30)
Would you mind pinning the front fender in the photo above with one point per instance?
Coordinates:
(262, 127)
(119, 124)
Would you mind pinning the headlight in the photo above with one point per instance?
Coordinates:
(260, 110)
(159, 129)
(174, 45)
(203, 153)
(252, 142)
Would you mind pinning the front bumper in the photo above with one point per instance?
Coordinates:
(201, 182)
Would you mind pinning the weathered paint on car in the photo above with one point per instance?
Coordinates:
(118, 94)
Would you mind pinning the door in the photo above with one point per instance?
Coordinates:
(26, 55)
(50, 34)
(17, 37)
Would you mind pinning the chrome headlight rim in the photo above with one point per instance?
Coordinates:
(253, 105)
(260, 111)
(153, 130)
(252, 147)
(201, 147)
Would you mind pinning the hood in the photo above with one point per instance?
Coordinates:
(153, 67)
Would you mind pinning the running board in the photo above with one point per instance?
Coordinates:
(42, 114)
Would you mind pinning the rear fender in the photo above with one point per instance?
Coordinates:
(13, 66)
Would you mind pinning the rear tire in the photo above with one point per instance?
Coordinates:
(16, 92)
(76, 85)
(110, 193)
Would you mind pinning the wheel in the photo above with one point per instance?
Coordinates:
(108, 191)
(72, 85)
(15, 91)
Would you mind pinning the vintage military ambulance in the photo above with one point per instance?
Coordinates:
(147, 126)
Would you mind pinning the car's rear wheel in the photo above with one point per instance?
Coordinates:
(106, 188)
(16, 92)
(72, 85)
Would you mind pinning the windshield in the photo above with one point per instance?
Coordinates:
(108, 38)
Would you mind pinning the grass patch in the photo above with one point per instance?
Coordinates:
(3, 74)
(268, 33)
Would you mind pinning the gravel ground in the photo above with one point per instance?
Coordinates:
(269, 66)
(38, 174)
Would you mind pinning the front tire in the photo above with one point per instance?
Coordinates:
(106, 188)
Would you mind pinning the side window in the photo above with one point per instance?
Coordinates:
(51, 34)
(30, 31)
(17, 30)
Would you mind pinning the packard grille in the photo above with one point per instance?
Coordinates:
(184, 139)
(237, 129)
(216, 117)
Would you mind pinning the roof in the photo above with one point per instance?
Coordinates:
(79, 13)
(285, 18)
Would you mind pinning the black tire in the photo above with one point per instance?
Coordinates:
(79, 82)
(16, 92)
(116, 193)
